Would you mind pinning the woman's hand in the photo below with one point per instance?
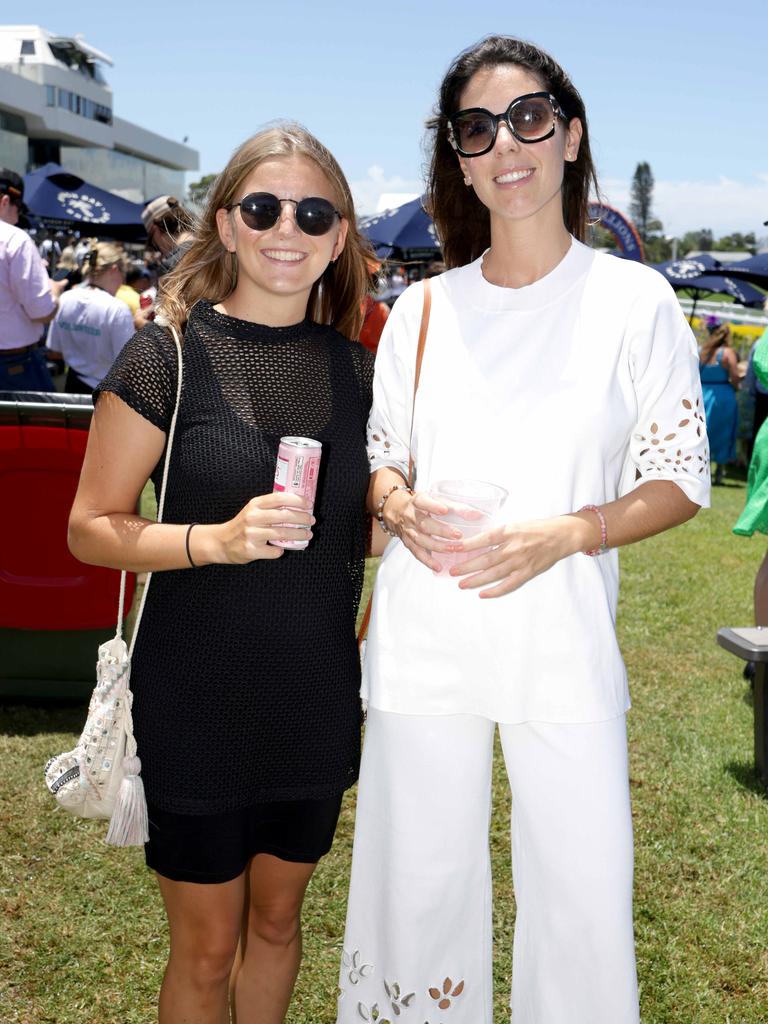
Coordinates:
(520, 551)
(409, 516)
(269, 517)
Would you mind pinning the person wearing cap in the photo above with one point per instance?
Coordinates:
(28, 297)
(169, 229)
(137, 281)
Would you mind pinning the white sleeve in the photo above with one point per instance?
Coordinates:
(121, 328)
(669, 441)
(389, 424)
(53, 341)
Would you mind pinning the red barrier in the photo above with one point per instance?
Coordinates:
(44, 591)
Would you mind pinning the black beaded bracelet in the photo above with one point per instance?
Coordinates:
(186, 544)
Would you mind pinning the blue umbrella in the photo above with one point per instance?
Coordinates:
(755, 269)
(408, 228)
(64, 200)
(703, 276)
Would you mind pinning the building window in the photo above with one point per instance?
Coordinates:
(50, 95)
(80, 105)
(27, 47)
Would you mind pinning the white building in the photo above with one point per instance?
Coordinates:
(55, 105)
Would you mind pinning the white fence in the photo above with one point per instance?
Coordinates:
(730, 311)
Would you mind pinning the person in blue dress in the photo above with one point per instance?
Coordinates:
(718, 366)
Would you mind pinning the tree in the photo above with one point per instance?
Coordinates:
(641, 199)
(737, 242)
(697, 241)
(198, 190)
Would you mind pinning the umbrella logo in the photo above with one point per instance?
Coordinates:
(81, 206)
(685, 269)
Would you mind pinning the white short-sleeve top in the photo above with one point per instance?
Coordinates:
(567, 392)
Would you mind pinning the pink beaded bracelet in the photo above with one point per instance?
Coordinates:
(603, 546)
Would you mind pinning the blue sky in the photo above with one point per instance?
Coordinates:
(679, 83)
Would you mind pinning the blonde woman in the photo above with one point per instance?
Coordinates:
(91, 325)
(246, 673)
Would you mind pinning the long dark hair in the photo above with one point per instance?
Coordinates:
(207, 270)
(462, 221)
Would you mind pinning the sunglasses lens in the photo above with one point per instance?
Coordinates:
(473, 132)
(315, 216)
(533, 118)
(260, 210)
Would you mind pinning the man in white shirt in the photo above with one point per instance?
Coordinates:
(28, 297)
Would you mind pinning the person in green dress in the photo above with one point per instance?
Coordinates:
(755, 514)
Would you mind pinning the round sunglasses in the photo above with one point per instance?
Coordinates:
(261, 211)
(530, 118)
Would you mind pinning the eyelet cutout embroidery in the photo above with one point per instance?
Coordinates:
(356, 969)
(378, 439)
(396, 1000)
(662, 458)
(445, 995)
(378, 1012)
(372, 1013)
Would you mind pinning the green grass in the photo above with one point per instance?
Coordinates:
(82, 935)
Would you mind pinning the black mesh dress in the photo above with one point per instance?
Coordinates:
(246, 678)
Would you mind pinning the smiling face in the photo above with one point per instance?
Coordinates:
(277, 267)
(516, 181)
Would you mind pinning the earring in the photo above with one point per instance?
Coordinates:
(467, 180)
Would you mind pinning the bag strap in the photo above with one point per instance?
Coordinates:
(423, 330)
(160, 504)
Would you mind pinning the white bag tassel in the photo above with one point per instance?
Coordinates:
(128, 825)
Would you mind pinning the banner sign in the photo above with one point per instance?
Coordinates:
(622, 229)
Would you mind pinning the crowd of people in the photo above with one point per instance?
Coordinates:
(246, 674)
(76, 344)
(68, 305)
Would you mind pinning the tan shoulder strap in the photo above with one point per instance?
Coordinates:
(423, 329)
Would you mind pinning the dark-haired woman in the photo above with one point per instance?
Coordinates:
(246, 673)
(570, 378)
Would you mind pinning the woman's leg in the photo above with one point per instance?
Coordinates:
(418, 935)
(204, 923)
(271, 939)
(574, 959)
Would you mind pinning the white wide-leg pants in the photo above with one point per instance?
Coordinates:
(418, 942)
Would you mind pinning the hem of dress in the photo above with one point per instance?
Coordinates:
(550, 717)
(255, 797)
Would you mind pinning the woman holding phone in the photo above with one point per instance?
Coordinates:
(245, 673)
(570, 379)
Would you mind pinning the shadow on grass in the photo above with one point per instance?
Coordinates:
(35, 717)
(746, 774)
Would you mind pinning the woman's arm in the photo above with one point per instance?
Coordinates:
(123, 450)
(407, 516)
(731, 363)
(524, 550)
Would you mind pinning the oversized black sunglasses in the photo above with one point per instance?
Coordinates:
(261, 211)
(530, 118)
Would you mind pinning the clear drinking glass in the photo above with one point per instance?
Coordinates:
(472, 508)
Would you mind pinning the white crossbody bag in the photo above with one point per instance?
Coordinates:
(101, 776)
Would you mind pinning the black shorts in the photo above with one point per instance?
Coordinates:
(211, 848)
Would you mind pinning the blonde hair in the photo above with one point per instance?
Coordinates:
(207, 271)
(102, 256)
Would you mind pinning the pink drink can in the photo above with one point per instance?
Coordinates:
(298, 464)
